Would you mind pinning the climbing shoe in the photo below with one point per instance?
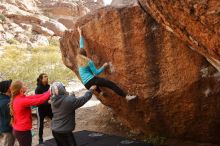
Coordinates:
(131, 97)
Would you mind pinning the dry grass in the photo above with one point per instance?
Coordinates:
(27, 64)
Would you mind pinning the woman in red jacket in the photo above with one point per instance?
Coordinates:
(20, 107)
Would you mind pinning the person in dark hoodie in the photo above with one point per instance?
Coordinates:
(5, 117)
(63, 108)
(43, 110)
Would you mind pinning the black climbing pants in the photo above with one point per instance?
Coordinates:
(102, 82)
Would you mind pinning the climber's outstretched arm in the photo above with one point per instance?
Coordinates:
(81, 39)
(81, 42)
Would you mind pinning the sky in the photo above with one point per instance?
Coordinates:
(106, 2)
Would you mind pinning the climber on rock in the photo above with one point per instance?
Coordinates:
(89, 73)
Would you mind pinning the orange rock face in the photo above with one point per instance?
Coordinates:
(195, 22)
(177, 89)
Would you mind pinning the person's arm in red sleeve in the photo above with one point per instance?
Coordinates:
(34, 100)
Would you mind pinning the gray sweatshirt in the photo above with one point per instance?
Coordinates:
(63, 107)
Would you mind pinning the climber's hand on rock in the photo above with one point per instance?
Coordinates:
(111, 67)
(105, 65)
(93, 87)
(79, 30)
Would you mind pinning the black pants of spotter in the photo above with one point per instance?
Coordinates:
(64, 139)
(43, 112)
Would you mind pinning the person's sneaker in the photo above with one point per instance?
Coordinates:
(130, 97)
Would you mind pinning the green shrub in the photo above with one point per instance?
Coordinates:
(27, 64)
(12, 41)
(156, 140)
(148, 138)
(54, 42)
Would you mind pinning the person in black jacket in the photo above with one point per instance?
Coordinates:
(5, 117)
(43, 110)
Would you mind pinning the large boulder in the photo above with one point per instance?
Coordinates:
(7, 35)
(38, 22)
(39, 40)
(26, 5)
(55, 26)
(8, 9)
(67, 9)
(64, 9)
(195, 22)
(93, 4)
(67, 22)
(15, 28)
(47, 17)
(178, 90)
(123, 2)
(20, 16)
(42, 30)
(22, 38)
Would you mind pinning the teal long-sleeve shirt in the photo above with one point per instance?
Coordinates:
(90, 71)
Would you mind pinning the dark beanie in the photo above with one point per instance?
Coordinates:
(4, 86)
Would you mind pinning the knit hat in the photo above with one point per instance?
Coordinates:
(4, 86)
(61, 88)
